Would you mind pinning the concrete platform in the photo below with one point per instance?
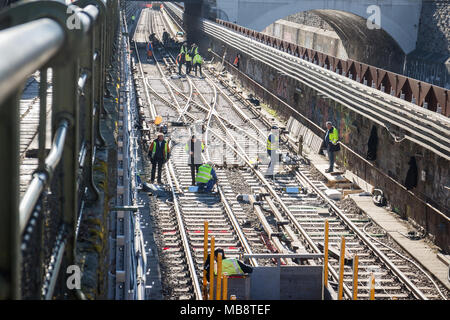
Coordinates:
(423, 252)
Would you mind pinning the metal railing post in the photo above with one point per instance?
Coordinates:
(66, 106)
(88, 91)
(9, 206)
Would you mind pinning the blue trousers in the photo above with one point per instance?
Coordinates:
(206, 187)
(331, 158)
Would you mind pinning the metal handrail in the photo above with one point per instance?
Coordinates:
(41, 179)
(37, 35)
(21, 53)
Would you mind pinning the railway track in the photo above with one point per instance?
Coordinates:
(294, 221)
(29, 126)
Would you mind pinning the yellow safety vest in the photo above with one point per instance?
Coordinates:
(186, 147)
(333, 136)
(204, 174)
(188, 57)
(230, 267)
(269, 143)
(164, 151)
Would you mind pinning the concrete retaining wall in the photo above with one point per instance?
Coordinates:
(308, 37)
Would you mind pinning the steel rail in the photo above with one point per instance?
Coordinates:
(291, 217)
(324, 88)
(365, 239)
(227, 207)
(185, 240)
(152, 107)
(217, 114)
(299, 228)
(236, 226)
(362, 237)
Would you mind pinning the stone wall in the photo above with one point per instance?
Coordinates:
(430, 61)
(309, 19)
(354, 129)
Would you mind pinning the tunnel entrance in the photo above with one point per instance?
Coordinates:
(341, 34)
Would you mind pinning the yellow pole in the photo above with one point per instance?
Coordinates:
(372, 288)
(355, 277)
(205, 256)
(325, 256)
(225, 288)
(341, 269)
(219, 276)
(211, 271)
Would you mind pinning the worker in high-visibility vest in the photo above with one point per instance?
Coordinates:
(188, 59)
(194, 149)
(198, 61)
(183, 48)
(180, 61)
(206, 177)
(331, 143)
(272, 147)
(230, 266)
(194, 50)
(159, 153)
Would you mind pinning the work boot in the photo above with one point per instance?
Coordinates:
(329, 170)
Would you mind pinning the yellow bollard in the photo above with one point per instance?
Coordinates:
(225, 288)
(341, 269)
(233, 297)
(211, 271)
(355, 277)
(325, 256)
(205, 255)
(372, 288)
(219, 276)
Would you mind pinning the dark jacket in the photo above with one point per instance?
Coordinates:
(160, 154)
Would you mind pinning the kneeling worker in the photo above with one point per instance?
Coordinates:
(230, 266)
(206, 177)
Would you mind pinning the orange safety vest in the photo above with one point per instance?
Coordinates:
(236, 60)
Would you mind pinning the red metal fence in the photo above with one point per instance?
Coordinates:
(423, 94)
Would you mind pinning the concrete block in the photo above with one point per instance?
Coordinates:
(301, 283)
(333, 194)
